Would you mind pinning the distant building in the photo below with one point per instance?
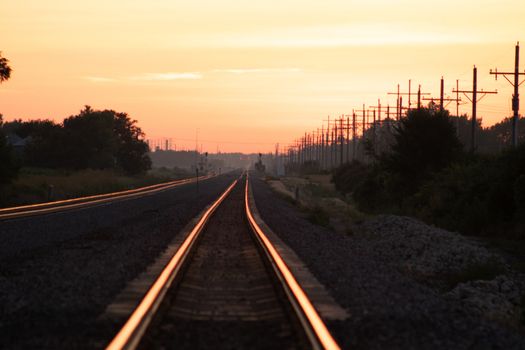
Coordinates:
(19, 144)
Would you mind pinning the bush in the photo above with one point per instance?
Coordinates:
(318, 216)
(485, 194)
(348, 177)
(427, 175)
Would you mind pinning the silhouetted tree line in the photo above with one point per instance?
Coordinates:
(427, 172)
(8, 163)
(95, 139)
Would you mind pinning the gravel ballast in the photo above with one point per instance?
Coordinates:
(381, 276)
(58, 272)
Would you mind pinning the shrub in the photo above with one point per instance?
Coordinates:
(348, 177)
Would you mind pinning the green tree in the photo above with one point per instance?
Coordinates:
(132, 151)
(425, 142)
(46, 147)
(90, 140)
(105, 139)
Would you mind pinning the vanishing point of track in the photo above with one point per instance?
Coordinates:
(225, 287)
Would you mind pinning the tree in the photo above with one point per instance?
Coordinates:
(425, 142)
(105, 139)
(8, 164)
(90, 140)
(5, 69)
(8, 168)
(132, 151)
(46, 145)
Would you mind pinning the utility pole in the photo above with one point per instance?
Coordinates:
(328, 146)
(474, 101)
(441, 95)
(419, 97)
(354, 141)
(409, 92)
(515, 96)
(342, 139)
(336, 134)
(400, 108)
(442, 98)
(348, 138)
(321, 151)
(332, 148)
(399, 95)
(363, 127)
(317, 146)
(379, 108)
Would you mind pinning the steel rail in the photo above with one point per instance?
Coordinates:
(313, 325)
(88, 201)
(131, 333)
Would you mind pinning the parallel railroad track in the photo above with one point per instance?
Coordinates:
(225, 287)
(90, 201)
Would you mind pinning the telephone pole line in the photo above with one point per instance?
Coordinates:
(400, 95)
(443, 99)
(515, 96)
(474, 101)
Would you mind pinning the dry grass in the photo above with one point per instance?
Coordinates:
(318, 196)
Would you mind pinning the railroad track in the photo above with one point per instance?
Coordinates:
(90, 201)
(225, 287)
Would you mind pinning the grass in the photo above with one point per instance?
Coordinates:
(511, 247)
(35, 185)
(485, 271)
(320, 202)
(522, 305)
(318, 216)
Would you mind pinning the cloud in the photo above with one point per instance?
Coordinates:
(347, 35)
(257, 70)
(100, 79)
(168, 76)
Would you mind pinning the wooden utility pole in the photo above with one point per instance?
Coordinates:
(442, 98)
(515, 96)
(332, 148)
(419, 97)
(354, 141)
(474, 100)
(399, 95)
(363, 127)
(348, 138)
(328, 146)
(342, 139)
(441, 94)
(321, 153)
(400, 108)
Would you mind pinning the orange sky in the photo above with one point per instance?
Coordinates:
(244, 73)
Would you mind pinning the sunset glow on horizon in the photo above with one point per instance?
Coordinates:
(248, 75)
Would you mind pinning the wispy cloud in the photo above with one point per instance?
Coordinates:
(100, 79)
(168, 76)
(257, 70)
(358, 34)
